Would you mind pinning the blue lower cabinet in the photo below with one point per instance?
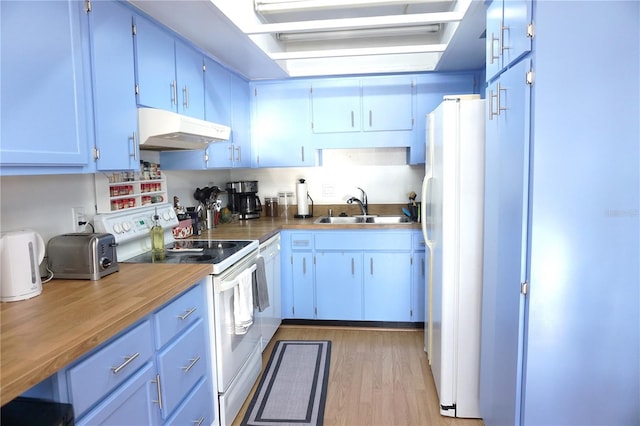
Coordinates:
(157, 371)
(353, 275)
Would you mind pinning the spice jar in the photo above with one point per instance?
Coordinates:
(285, 204)
(271, 206)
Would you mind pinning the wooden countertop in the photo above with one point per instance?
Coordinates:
(39, 336)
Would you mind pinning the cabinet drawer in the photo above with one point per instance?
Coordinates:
(301, 241)
(181, 365)
(108, 367)
(363, 240)
(196, 409)
(178, 315)
(133, 403)
(418, 242)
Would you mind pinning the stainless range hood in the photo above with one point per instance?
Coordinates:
(162, 130)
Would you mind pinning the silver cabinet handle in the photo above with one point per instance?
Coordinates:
(186, 97)
(304, 265)
(353, 266)
(492, 56)
(192, 362)
(134, 145)
(127, 360)
(353, 123)
(302, 152)
(159, 388)
(491, 97)
(186, 314)
(174, 93)
(500, 89)
(371, 265)
(239, 157)
(230, 154)
(501, 38)
(370, 118)
(199, 421)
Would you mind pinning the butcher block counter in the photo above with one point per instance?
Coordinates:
(39, 336)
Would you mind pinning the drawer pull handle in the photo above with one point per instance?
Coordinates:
(127, 360)
(199, 421)
(157, 382)
(192, 362)
(186, 314)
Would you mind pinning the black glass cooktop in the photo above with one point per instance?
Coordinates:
(190, 251)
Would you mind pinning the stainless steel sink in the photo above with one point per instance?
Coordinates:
(364, 220)
(388, 220)
(339, 220)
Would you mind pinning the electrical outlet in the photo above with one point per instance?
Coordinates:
(328, 190)
(79, 219)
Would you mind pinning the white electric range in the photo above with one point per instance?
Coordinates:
(236, 357)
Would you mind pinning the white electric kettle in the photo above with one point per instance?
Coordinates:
(21, 253)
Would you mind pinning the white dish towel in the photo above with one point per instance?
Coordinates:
(243, 302)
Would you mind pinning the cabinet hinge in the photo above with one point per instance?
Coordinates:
(530, 77)
(315, 311)
(204, 68)
(206, 158)
(137, 89)
(293, 310)
(255, 91)
(311, 90)
(531, 30)
(524, 288)
(134, 29)
(87, 6)
(96, 153)
(291, 258)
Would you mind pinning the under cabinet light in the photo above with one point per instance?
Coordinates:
(285, 6)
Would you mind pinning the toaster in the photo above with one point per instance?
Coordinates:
(82, 256)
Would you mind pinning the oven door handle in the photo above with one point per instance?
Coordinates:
(228, 285)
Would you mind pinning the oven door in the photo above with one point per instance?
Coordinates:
(232, 350)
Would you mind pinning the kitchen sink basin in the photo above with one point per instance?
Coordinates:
(388, 220)
(362, 220)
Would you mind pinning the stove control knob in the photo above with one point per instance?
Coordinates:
(126, 226)
(117, 228)
(166, 216)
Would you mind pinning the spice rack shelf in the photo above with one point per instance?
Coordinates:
(128, 194)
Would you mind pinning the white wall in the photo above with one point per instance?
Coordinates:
(44, 203)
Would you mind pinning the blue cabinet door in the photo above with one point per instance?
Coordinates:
(302, 285)
(240, 122)
(508, 33)
(336, 106)
(189, 80)
(281, 125)
(217, 93)
(156, 69)
(504, 268)
(114, 99)
(46, 102)
(387, 286)
(387, 103)
(339, 285)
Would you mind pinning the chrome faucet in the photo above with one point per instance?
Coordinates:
(364, 204)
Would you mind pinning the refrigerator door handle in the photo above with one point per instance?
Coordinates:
(426, 207)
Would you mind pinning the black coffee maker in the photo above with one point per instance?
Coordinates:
(243, 199)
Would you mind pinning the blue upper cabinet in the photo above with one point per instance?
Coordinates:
(190, 80)
(240, 122)
(217, 93)
(509, 33)
(114, 99)
(367, 104)
(46, 102)
(170, 74)
(156, 69)
(281, 125)
(336, 106)
(387, 103)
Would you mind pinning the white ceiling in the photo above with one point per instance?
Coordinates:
(250, 38)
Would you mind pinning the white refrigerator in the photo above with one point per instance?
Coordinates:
(452, 224)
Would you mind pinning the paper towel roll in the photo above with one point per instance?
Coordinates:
(301, 197)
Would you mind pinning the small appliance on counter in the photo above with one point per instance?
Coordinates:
(243, 199)
(21, 253)
(303, 197)
(82, 256)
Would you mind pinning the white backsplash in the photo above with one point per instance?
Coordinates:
(44, 203)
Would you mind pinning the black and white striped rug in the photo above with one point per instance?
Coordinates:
(293, 388)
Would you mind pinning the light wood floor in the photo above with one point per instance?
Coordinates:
(377, 377)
